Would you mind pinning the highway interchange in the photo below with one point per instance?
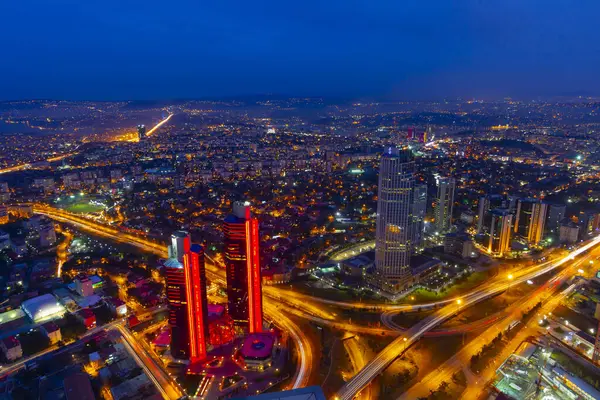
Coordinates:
(304, 305)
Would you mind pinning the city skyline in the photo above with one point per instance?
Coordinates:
(336, 200)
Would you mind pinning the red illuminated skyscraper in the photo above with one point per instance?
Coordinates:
(186, 293)
(244, 292)
(195, 283)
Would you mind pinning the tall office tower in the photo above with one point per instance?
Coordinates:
(394, 220)
(177, 295)
(244, 292)
(500, 232)
(556, 213)
(538, 221)
(419, 209)
(486, 205)
(444, 204)
(186, 294)
(197, 302)
(141, 132)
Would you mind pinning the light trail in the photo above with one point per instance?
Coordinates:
(161, 123)
(22, 167)
(304, 347)
(214, 273)
(444, 372)
(399, 345)
(168, 389)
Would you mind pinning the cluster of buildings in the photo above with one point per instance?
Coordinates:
(186, 287)
(31, 236)
(506, 224)
(400, 226)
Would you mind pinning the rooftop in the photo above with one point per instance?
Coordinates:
(307, 393)
(258, 345)
(78, 387)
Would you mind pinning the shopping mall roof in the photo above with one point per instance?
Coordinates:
(43, 307)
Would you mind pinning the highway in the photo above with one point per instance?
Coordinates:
(22, 167)
(214, 273)
(377, 365)
(461, 360)
(167, 388)
(386, 356)
(161, 123)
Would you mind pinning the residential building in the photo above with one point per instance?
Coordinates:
(444, 204)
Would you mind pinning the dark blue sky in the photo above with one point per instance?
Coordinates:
(129, 49)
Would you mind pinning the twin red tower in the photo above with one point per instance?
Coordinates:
(186, 284)
(244, 292)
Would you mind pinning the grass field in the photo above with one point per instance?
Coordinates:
(83, 208)
(425, 296)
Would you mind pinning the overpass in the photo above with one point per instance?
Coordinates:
(376, 366)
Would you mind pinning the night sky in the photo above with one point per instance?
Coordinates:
(127, 49)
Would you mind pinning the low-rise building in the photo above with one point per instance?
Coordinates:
(116, 306)
(257, 350)
(87, 317)
(19, 247)
(84, 286)
(52, 331)
(43, 308)
(11, 347)
(459, 244)
(131, 389)
(77, 386)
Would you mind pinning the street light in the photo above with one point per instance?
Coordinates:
(404, 340)
(510, 278)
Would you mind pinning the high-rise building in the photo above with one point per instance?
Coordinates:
(486, 205)
(418, 214)
(444, 204)
(556, 213)
(186, 294)
(530, 219)
(500, 232)
(538, 222)
(394, 219)
(244, 292)
(197, 302)
(176, 294)
(523, 217)
(141, 132)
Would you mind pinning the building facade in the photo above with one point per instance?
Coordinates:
(500, 232)
(444, 204)
(394, 232)
(418, 214)
(187, 297)
(241, 254)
